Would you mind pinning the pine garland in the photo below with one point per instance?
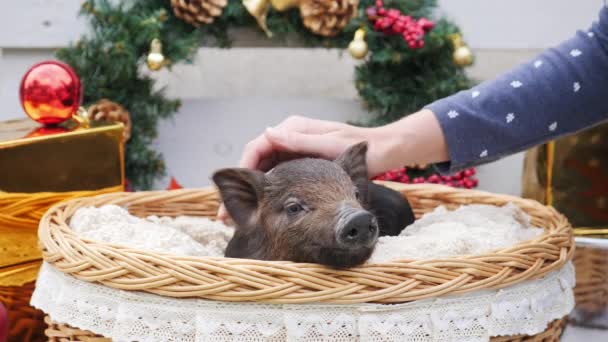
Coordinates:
(393, 81)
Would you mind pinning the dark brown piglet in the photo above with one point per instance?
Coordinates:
(311, 210)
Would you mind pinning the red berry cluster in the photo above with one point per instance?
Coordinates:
(393, 22)
(462, 179)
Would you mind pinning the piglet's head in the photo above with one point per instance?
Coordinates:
(305, 210)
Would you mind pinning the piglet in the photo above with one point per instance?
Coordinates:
(311, 210)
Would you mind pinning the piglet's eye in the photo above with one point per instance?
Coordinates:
(293, 208)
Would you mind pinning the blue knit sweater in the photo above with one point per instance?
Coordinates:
(563, 90)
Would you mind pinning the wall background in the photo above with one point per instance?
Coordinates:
(230, 96)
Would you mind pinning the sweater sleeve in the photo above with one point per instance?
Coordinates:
(561, 91)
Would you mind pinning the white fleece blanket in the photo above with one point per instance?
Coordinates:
(468, 230)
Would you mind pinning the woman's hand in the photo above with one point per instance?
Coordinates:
(298, 137)
(414, 139)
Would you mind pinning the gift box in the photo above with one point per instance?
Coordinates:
(579, 176)
(42, 166)
(41, 159)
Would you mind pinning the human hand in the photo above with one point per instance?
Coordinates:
(298, 137)
(417, 138)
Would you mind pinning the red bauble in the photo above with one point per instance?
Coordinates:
(50, 92)
(3, 324)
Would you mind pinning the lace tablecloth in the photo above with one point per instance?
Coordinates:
(525, 308)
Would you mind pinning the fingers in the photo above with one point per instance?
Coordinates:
(319, 145)
(263, 154)
(255, 151)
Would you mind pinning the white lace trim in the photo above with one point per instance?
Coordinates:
(525, 308)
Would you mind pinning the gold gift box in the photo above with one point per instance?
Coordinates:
(40, 166)
(45, 165)
(34, 160)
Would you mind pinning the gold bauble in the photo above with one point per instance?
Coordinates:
(463, 56)
(155, 59)
(284, 5)
(358, 47)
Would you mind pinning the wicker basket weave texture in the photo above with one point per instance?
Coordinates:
(64, 333)
(591, 291)
(241, 280)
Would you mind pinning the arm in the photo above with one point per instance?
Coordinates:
(563, 90)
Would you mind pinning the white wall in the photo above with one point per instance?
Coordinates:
(231, 95)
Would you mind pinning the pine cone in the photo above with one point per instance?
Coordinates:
(106, 110)
(327, 17)
(198, 12)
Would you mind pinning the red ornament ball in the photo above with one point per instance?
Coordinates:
(50, 92)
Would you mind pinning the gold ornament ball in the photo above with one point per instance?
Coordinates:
(463, 56)
(155, 59)
(358, 47)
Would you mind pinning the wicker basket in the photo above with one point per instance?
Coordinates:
(591, 291)
(241, 280)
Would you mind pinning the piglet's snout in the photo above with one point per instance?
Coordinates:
(359, 229)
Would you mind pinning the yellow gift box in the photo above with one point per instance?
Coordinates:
(40, 166)
(37, 159)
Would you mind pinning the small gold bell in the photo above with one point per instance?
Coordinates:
(358, 47)
(155, 59)
(283, 5)
(259, 9)
(462, 54)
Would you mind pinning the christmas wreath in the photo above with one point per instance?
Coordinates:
(409, 59)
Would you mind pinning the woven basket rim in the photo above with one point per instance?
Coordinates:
(285, 282)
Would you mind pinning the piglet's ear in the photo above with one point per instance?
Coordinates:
(241, 190)
(354, 163)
